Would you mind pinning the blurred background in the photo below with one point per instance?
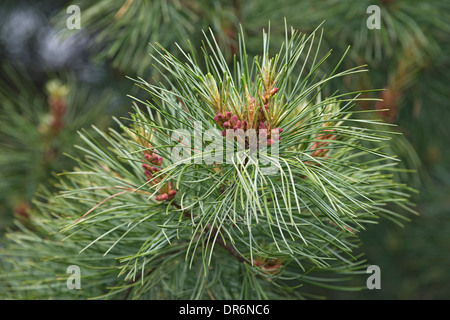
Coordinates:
(55, 81)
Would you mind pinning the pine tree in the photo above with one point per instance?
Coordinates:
(156, 210)
(408, 56)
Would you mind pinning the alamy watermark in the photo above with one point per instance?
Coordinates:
(374, 20)
(229, 146)
(74, 20)
(74, 280)
(373, 281)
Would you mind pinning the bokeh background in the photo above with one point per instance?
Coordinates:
(55, 81)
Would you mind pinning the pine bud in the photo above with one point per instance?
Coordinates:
(273, 91)
(153, 169)
(161, 197)
(172, 193)
(256, 263)
(263, 133)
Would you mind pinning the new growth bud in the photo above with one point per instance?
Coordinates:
(273, 91)
(251, 117)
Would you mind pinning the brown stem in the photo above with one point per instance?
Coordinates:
(214, 231)
(208, 228)
(227, 247)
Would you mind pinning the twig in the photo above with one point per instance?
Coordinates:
(100, 203)
(227, 247)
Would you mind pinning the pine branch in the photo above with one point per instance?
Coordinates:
(212, 231)
(170, 224)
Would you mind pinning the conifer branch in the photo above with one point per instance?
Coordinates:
(306, 174)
